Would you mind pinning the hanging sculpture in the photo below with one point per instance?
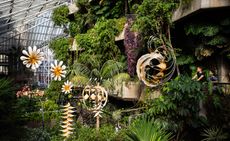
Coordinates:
(67, 123)
(95, 98)
(156, 67)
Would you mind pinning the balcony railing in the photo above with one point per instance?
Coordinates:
(224, 86)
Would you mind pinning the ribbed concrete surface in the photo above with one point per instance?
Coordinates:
(196, 5)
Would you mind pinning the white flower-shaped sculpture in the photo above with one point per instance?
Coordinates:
(58, 70)
(33, 57)
(67, 87)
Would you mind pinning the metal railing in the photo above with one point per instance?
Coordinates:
(224, 86)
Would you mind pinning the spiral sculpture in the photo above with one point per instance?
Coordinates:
(156, 67)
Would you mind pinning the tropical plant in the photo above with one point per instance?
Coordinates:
(88, 13)
(178, 106)
(60, 15)
(37, 134)
(147, 130)
(54, 90)
(214, 134)
(99, 43)
(154, 17)
(7, 97)
(210, 37)
(106, 133)
(111, 72)
(60, 46)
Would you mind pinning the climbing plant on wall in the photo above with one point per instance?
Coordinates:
(88, 14)
(60, 15)
(209, 37)
(60, 46)
(154, 18)
(99, 43)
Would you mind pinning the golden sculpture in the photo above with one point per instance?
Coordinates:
(95, 98)
(67, 123)
(156, 67)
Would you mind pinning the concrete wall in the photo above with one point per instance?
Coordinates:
(195, 5)
(224, 70)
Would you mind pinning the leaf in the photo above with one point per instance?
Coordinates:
(111, 68)
(80, 69)
(147, 130)
(185, 59)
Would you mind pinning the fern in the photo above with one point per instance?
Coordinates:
(185, 59)
(60, 15)
(217, 40)
(202, 29)
(214, 134)
(80, 69)
(111, 68)
(81, 80)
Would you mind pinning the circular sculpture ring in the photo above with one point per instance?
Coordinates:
(156, 67)
(94, 97)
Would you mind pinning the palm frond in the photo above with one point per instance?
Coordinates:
(80, 69)
(5, 86)
(80, 80)
(111, 68)
(147, 130)
(120, 77)
(108, 84)
(95, 73)
(214, 134)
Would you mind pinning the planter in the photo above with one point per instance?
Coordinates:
(128, 90)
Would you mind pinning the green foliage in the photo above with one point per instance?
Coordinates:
(218, 109)
(30, 109)
(111, 68)
(99, 43)
(54, 90)
(185, 1)
(208, 37)
(116, 80)
(50, 109)
(102, 8)
(60, 15)
(60, 46)
(217, 40)
(74, 29)
(106, 133)
(185, 59)
(153, 16)
(7, 97)
(37, 134)
(110, 72)
(6, 91)
(214, 134)
(87, 15)
(119, 78)
(179, 104)
(202, 29)
(228, 56)
(147, 130)
(26, 105)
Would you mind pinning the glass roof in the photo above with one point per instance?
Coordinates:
(26, 23)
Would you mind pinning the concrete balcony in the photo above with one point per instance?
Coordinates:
(197, 5)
